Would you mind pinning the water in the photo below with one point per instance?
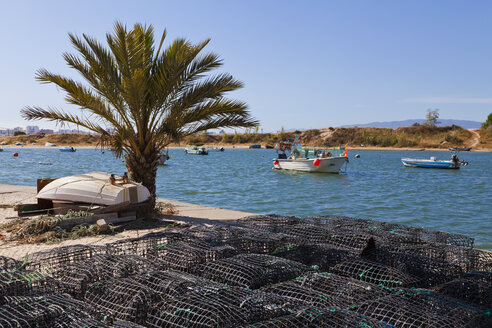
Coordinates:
(374, 186)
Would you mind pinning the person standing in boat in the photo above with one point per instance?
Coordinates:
(455, 159)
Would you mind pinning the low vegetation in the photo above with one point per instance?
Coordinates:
(416, 136)
(486, 133)
(58, 139)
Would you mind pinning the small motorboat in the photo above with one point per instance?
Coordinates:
(215, 149)
(309, 159)
(268, 147)
(67, 149)
(49, 144)
(96, 188)
(433, 163)
(460, 148)
(163, 156)
(255, 146)
(195, 150)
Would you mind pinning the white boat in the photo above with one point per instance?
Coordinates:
(453, 163)
(67, 149)
(309, 159)
(195, 150)
(215, 149)
(163, 156)
(49, 144)
(94, 188)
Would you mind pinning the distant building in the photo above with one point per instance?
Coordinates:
(46, 131)
(32, 129)
(4, 132)
(65, 131)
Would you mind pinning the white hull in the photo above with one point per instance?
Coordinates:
(199, 151)
(326, 165)
(430, 163)
(67, 149)
(94, 188)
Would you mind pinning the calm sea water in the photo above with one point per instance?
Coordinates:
(374, 186)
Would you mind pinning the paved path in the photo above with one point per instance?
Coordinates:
(187, 213)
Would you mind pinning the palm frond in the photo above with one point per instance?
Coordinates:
(150, 96)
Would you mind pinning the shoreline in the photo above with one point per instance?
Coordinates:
(246, 146)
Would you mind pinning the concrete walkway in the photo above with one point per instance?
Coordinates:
(186, 213)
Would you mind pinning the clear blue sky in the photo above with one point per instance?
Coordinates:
(305, 64)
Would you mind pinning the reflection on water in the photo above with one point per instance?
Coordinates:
(374, 186)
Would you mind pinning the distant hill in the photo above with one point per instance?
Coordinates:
(396, 124)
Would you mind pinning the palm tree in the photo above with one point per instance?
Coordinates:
(140, 99)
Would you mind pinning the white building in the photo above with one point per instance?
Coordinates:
(32, 129)
(69, 131)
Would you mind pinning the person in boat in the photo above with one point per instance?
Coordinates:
(455, 159)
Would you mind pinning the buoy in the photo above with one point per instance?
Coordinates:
(16, 154)
(275, 163)
(357, 156)
(316, 162)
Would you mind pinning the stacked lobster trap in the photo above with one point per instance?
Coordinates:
(263, 271)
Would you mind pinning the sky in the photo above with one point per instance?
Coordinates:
(305, 64)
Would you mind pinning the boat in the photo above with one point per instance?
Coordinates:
(453, 163)
(309, 159)
(67, 149)
(163, 156)
(195, 150)
(96, 188)
(49, 144)
(1, 149)
(268, 147)
(215, 149)
(459, 148)
(255, 146)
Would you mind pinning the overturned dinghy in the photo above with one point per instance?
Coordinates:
(96, 188)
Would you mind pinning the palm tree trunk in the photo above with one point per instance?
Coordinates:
(144, 171)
